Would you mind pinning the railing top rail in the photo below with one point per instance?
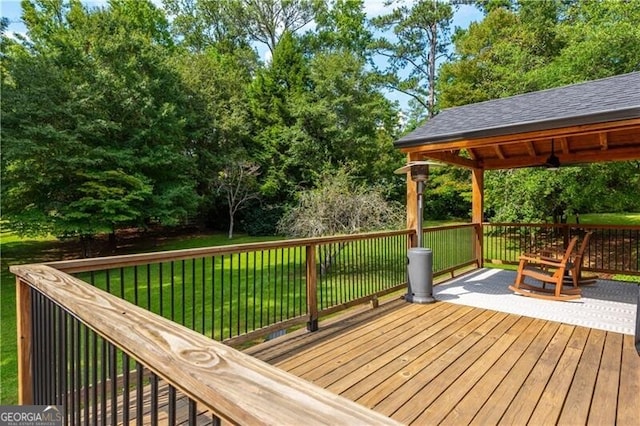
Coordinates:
(447, 227)
(564, 225)
(98, 263)
(235, 386)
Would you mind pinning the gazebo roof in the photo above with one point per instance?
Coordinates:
(592, 121)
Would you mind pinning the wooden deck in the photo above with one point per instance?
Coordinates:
(451, 364)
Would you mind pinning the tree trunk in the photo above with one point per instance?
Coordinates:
(113, 245)
(230, 226)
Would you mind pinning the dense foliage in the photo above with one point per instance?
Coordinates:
(127, 115)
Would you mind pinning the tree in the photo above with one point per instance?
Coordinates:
(532, 45)
(266, 21)
(339, 206)
(421, 37)
(237, 183)
(200, 24)
(92, 122)
(502, 55)
(341, 26)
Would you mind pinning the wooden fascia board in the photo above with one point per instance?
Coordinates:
(618, 154)
(529, 136)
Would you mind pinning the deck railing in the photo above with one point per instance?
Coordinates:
(238, 293)
(107, 361)
(116, 338)
(612, 249)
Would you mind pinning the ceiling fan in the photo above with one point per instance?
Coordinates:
(553, 162)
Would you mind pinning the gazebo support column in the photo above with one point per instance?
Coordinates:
(477, 210)
(412, 199)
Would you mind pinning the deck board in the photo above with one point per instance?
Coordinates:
(453, 364)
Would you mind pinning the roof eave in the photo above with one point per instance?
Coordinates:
(526, 127)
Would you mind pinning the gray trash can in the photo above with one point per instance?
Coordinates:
(420, 276)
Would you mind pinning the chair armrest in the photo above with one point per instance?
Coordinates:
(540, 261)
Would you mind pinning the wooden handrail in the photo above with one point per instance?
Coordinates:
(98, 263)
(564, 225)
(235, 386)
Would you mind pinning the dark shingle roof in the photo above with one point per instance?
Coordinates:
(609, 99)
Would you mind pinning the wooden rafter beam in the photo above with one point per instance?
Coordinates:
(604, 141)
(499, 152)
(531, 149)
(472, 154)
(565, 145)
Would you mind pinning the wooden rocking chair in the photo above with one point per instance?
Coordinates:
(575, 264)
(547, 271)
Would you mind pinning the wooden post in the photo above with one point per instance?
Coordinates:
(312, 288)
(477, 211)
(25, 343)
(412, 200)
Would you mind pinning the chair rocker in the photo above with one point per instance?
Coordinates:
(546, 271)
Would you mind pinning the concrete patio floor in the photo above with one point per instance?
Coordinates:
(606, 305)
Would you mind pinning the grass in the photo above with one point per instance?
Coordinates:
(607, 219)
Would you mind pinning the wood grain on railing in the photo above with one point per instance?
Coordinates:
(236, 387)
(25, 342)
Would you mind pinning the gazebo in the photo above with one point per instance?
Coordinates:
(594, 121)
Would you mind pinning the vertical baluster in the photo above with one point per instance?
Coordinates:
(172, 405)
(122, 290)
(125, 389)
(173, 290)
(288, 294)
(86, 368)
(262, 299)
(213, 297)
(94, 376)
(194, 305)
(63, 344)
(135, 286)
(253, 292)
(203, 296)
(183, 305)
(105, 377)
(78, 356)
(113, 378)
(72, 369)
(281, 283)
(139, 394)
(239, 295)
(154, 399)
(161, 288)
(268, 300)
(230, 294)
(246, 292)
(193, 412)
(222, 297)
(149, 288)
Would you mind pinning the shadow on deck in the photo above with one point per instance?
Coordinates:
(455, 364)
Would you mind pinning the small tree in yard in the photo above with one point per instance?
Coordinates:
(338, 206)
(238, 183)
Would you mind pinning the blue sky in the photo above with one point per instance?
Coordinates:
(464, 15)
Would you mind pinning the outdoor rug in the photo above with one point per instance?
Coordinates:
(605, 305)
